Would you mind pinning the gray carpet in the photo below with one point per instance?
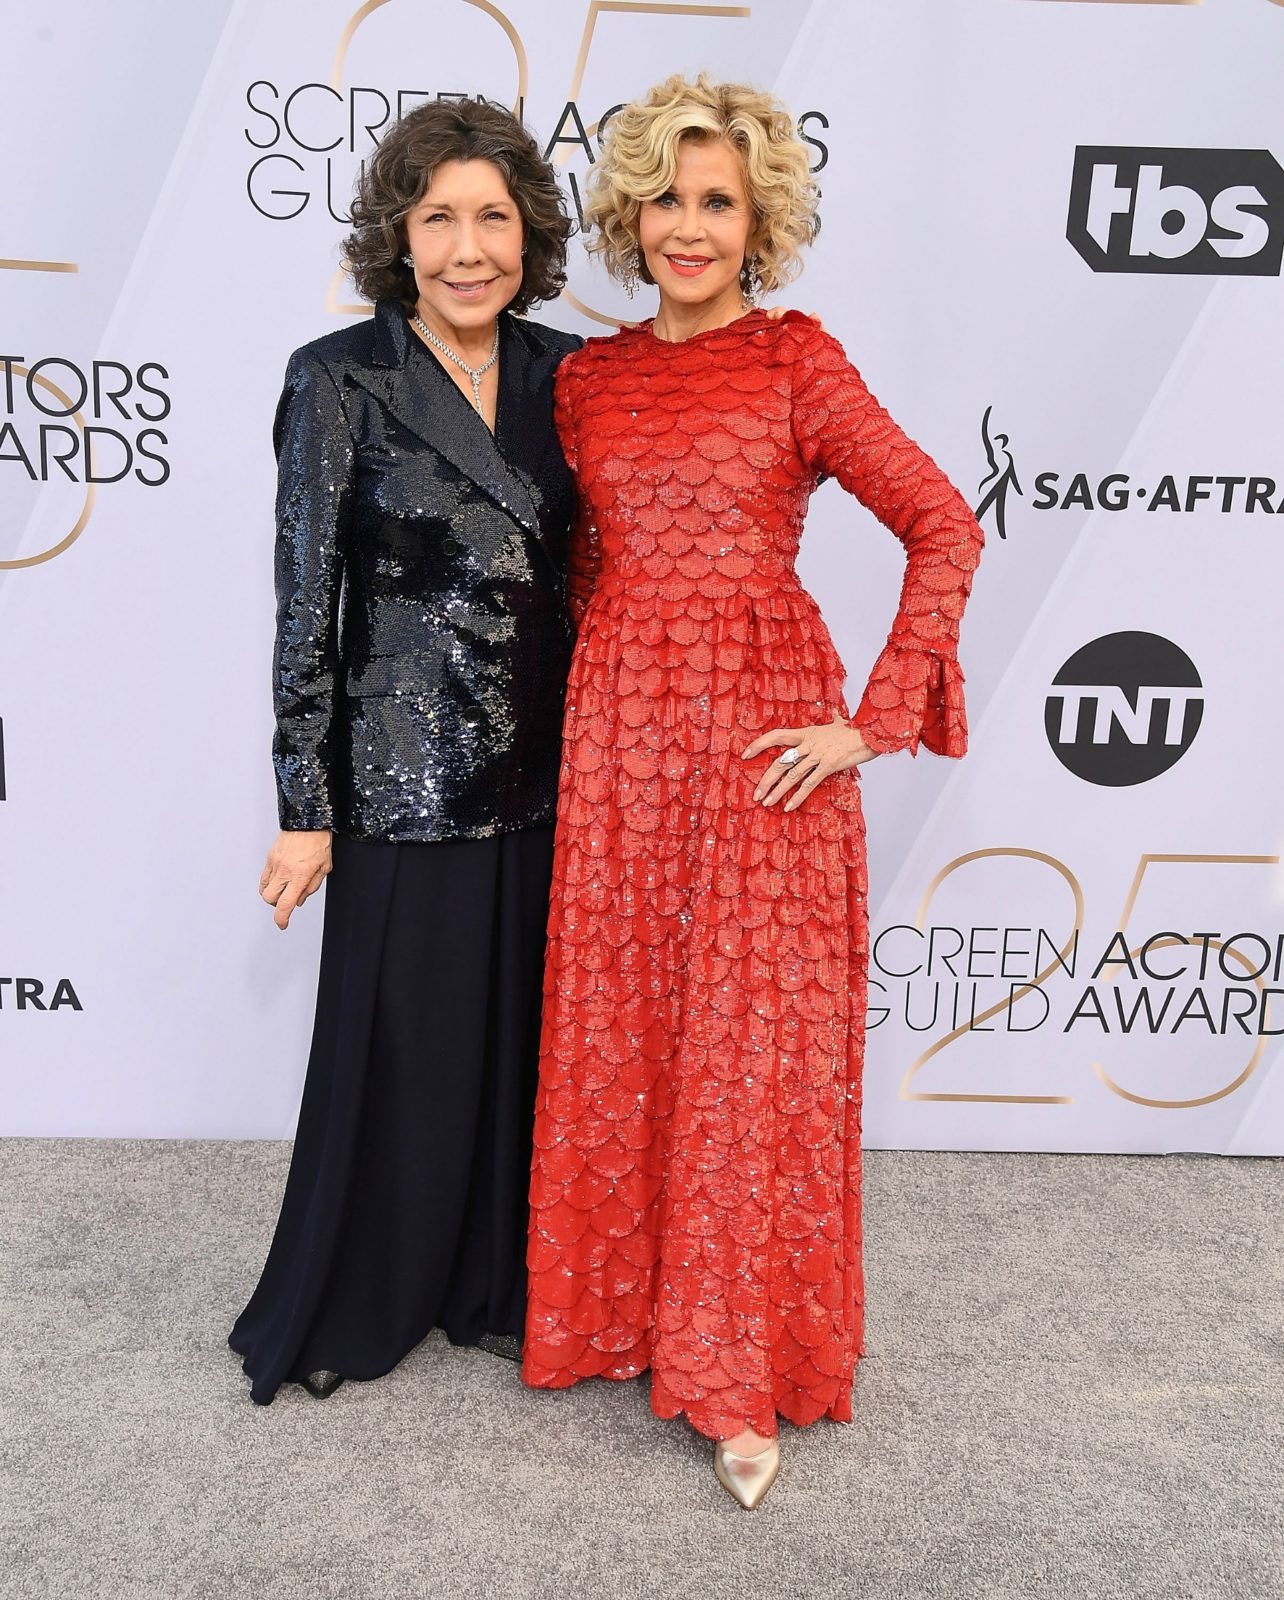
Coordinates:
(1073, 1389)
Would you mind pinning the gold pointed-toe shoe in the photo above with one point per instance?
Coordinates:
(747, 1478)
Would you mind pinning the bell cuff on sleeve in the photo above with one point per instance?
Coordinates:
(913, 696)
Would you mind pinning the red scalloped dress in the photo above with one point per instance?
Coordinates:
(696, 1183)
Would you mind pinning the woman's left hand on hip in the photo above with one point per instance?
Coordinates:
(822, 749)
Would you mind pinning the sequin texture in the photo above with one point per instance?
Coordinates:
(422, 636)
(696, 1183)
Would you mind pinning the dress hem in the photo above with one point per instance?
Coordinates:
(799, 1410)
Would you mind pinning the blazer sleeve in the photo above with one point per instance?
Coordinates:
(915, 691)
(584, 558)
(316, 462)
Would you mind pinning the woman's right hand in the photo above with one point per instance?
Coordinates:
(297, 865)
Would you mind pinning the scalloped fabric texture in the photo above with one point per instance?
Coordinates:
(696, 1183)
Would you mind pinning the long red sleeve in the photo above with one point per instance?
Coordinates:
(915, 692)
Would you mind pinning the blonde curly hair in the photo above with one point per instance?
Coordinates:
(640, 161)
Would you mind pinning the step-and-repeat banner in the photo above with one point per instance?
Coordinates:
(1051, 241)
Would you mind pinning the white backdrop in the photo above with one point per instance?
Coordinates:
(1063, 218)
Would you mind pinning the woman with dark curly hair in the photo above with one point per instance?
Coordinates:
(421, 657)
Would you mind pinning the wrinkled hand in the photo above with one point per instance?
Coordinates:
(297, 866)
(822, 749)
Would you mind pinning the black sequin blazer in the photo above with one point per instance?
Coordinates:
(422, 641)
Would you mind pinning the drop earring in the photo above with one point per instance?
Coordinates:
(629, 276)
(752, 281)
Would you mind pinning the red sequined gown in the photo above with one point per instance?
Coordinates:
(696, 1184)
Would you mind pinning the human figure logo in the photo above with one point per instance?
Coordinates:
(999, 479)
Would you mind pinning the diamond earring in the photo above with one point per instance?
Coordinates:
(409, 261)
(752, 281)
(629, 276)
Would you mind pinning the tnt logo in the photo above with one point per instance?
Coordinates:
(1124, 709)
(1196, 211)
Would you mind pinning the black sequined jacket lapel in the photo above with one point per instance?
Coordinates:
(431, 405)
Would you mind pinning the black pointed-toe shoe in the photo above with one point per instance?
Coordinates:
(321, 1385)
(506, 1345)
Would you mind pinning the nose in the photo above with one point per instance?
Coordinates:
(690, 224)
(467, 242)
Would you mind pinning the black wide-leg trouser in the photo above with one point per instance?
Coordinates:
(405, 1208)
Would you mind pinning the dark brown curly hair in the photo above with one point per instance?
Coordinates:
(400, 171)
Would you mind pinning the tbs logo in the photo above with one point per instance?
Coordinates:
(1196, 211)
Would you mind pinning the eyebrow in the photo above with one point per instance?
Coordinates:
(444, 205)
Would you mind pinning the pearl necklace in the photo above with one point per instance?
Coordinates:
(475, 373)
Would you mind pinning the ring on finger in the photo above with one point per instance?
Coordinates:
(790, 757)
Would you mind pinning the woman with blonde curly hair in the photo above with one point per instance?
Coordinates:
(696, 1183)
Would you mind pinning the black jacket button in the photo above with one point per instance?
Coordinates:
(450, 547)
(471, 715)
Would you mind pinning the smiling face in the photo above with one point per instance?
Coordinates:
(694, 237)
(465, 234)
